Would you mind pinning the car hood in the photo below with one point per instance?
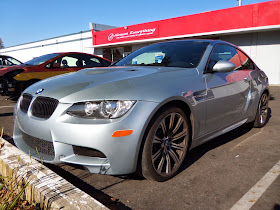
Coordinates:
(11, 68)
(109, 83)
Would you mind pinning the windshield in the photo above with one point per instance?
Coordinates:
(41, 59)
(184, 54)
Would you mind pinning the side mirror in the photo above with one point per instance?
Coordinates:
(223, 66)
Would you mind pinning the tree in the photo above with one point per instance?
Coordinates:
(1, 44)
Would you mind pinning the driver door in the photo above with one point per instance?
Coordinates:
(227, 92)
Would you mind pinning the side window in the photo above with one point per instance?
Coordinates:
(12, 61)
(68, 61)
(226, 53)
(246, 62)
(90, 61)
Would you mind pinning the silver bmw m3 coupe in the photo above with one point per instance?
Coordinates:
(145, 112)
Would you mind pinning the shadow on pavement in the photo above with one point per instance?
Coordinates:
(105, 199)
(9, 139)
(277, 207)
(196, 153)
(7, 114)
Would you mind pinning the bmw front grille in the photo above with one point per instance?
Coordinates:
(42, 107)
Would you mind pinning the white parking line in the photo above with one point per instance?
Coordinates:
(251, 197)
(246, 140)
(5, 107)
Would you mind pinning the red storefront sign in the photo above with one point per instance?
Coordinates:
(127, 33)
(229, 20)
(124, 34)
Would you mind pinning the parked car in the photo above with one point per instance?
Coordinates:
(144, 113)
(14, 79)
(6, 61)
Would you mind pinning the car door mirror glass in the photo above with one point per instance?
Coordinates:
(223, 66)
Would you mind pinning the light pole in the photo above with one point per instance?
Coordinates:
(240, 2)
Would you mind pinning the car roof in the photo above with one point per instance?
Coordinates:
(72, 53)
(212, 41)
(5, 56)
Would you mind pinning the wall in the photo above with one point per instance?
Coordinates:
(78, 42)
(263, 48)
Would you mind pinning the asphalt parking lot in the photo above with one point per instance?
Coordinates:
(239, 170)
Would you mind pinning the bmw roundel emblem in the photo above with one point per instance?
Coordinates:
(39, 91)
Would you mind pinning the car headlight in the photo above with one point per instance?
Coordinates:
(101, 109)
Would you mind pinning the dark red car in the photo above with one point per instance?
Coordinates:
(14, 79)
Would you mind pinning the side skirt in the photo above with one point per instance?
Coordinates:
(207, 137)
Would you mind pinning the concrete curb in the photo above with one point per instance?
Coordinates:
(46, 187)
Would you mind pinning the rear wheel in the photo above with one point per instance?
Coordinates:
(166, 145)
(262, 113)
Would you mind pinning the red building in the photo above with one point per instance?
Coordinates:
(255, 28)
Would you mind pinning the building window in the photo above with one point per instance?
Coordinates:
(115, 54)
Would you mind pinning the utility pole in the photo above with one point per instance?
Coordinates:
(240, 2)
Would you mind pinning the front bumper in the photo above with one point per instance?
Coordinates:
(58, 136)
(7, 87)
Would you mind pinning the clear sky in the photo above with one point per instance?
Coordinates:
(24, 21)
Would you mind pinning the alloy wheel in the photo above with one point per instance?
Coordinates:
(169, 144)
(263, 108)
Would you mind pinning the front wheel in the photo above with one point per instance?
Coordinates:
(262, 112)
(166, 145)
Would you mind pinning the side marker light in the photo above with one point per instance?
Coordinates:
(122, 133)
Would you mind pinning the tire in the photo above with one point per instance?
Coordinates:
(166, 145)
(262, 112)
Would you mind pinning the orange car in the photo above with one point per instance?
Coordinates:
(14, 79)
